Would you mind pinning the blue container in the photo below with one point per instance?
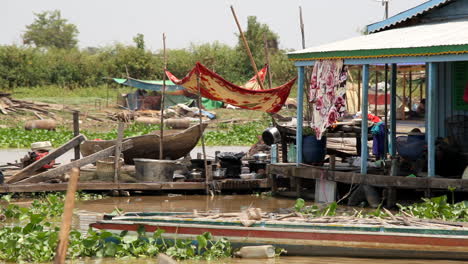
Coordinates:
(313, 150)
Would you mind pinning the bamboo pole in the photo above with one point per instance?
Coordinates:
(267, 58)
(161, 147)
(309, 110)
(252, 61)
(301, 22)
(118, 150)
(207, 170)
(61, 250)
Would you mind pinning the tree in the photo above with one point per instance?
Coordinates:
(49, 29)
(139, 40)
(254, 35)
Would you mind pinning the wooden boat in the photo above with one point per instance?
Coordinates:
(177, 144)
(313, 237)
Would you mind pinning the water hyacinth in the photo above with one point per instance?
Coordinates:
(35, 237)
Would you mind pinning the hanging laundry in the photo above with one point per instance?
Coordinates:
(328, 93)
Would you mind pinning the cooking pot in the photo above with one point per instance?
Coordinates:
(260, 156)
(271, 136)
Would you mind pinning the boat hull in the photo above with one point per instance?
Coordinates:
(176, 144)
(316, 240)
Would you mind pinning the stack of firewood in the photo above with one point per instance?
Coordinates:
(40, 110)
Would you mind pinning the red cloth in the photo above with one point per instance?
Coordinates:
(39, 155)
(374, 118)
(216, 88)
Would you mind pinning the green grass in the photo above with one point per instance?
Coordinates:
(62, 95)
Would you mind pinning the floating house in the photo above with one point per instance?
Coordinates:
(434, 33)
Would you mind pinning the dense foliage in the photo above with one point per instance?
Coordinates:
(70, 67)
(35, 238)
(429, 208)
(438, 208)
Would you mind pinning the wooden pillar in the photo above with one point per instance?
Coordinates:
(76, 131)
(359, 92)
(403, 97)
(365, 106)
(431, 118)
(386, 112)
(376, 94)
(300, 106)
(393, 94)
(410, 92)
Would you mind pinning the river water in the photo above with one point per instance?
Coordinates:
(90, 211)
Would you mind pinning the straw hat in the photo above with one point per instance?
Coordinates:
(42, 145)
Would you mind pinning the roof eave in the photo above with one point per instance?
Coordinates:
(381, 53)
(405, 15)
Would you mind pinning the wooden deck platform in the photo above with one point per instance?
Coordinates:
(349, 177)
(225, 184)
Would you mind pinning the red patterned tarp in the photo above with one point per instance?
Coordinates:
(214, 87)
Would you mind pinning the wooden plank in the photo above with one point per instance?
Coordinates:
(29, 170)
(61, 250)
(371, 179)
(50, 174)
(76, 131)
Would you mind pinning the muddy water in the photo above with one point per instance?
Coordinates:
(90, 211)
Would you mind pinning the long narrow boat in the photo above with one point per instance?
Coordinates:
(176, 144)
(309, 238)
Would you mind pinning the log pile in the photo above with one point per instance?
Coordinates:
(9, 105)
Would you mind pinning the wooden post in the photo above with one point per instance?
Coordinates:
(386, 112)
(161, 145)
(376, 95)
(208, 176)
(364, 124)
(309, 110)
(404, 97)
(300, 103)
(61, 250)
(421, 90)
(359, 91)
(410, 101)
(332, 162)
(267, 58)
(76, 132)
(252, 61)
(431, 118)
(393, 110)
(118, 150)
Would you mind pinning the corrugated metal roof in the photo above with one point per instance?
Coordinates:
(429, 38)
(405, 15)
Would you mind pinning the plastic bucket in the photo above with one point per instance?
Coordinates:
(105, 168)
(313, 150)
(153, 170)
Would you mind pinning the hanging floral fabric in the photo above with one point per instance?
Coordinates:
(328, 94)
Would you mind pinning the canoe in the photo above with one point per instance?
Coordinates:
(309, 238)
(177, 144)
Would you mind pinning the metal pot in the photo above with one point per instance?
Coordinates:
(271, 136)
(260, 156)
